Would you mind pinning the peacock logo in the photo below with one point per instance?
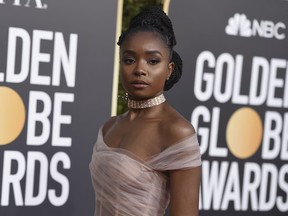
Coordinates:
(239, 25)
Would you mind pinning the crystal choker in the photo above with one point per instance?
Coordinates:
(142, 104)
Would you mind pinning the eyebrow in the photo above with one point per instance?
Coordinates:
(149, 52)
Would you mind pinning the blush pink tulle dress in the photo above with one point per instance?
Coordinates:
(125, 185)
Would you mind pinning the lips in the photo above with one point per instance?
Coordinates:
(139, 84)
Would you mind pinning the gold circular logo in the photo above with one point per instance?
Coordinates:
(244, 132)
(12, 115)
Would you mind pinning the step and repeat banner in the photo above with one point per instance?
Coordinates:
(56, 69)
(235, 91)
(56, 73)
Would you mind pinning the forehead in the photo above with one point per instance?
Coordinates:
(145, 40)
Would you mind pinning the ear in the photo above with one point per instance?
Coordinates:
(171, 67)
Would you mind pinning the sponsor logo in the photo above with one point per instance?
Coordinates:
(240, 25)
(38, 4)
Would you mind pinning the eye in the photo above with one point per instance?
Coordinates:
(128, 61)
(153, 61)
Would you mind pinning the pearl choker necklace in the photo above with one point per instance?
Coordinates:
(142, 104)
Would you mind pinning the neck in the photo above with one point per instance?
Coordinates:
(142, 104)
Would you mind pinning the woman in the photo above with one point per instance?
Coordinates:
(149, 156)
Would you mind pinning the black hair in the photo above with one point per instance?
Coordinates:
(154, 19)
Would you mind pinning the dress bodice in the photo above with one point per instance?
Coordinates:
(125, 185)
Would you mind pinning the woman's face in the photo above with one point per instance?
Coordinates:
(144, 65)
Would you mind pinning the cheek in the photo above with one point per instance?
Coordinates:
(123, 71)
(123, 75)
(161, 73)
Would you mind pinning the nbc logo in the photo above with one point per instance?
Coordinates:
(240, 25)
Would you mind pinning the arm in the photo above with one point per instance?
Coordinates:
(184, 191)
(184, 184)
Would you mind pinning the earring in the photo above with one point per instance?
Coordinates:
(123, 97)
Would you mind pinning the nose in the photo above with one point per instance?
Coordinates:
(140, 69)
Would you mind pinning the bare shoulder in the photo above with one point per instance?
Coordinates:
(177, 128)
(109, 123)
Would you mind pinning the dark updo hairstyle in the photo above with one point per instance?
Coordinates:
(154, 19)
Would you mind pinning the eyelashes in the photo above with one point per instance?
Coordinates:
(150, 61)
(153, 61)
(128, 61)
